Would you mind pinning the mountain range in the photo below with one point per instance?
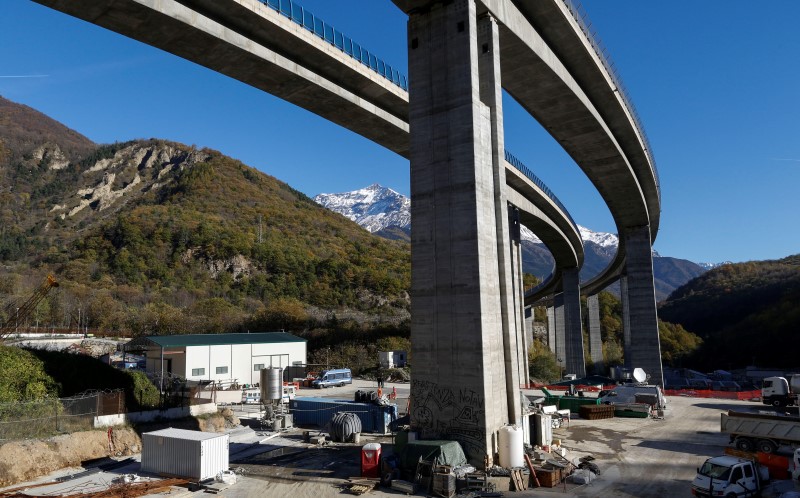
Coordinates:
(385, 212)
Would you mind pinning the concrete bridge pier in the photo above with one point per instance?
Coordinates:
(595, 336)
(626, 320)
(551, 328)
(513, 318)
(643, 350)
(573, 325)
(525, 336)
(459, 333)
(560, 331)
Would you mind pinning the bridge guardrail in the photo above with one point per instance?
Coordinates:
(539, 183)
(320, 28)
(579, 14)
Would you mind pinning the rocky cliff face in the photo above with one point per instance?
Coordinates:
(133, 170)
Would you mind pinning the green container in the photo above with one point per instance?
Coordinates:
(626, 413)
(571, 403)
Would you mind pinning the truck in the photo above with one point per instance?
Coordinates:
(760, 432)
(780, 392)
(729, 476)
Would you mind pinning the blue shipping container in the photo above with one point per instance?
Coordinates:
(319, 411)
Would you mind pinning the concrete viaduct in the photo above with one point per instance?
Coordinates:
(470, 196)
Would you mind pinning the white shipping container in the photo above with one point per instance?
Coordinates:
(182, 453)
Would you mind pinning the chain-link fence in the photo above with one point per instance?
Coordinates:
(53, 416)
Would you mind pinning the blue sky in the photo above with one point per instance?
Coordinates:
(716, 83)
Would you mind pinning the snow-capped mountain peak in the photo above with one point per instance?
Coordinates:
(711, 266)
(602, 239)
(374, 208)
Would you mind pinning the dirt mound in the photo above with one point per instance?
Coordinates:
(218, 422)
(25, 460)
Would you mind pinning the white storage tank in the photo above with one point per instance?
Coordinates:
(511, 447)
(182, 453)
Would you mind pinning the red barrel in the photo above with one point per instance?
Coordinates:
(371, 460)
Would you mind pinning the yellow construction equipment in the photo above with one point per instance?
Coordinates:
(18, 314)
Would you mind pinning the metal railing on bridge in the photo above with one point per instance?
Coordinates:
(513, 161)
(314, 24)
(580, 15)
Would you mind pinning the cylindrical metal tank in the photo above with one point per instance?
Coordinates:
(511, 447)
(794, 383)
(271, 383)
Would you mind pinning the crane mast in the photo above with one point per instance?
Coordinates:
(23, 311)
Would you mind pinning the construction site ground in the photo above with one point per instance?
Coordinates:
(636, 457)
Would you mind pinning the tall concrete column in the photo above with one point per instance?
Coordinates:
(525, 331)
(561, 332)
(626, 321)
(458, 390)
(645, 346)
(573, 325)
(523, 339)
(551, 328)
(491, 95)
(595, 336)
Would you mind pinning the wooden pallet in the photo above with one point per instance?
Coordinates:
(518, 480)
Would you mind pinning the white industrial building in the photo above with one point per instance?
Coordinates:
(220, 357)
(392, 359)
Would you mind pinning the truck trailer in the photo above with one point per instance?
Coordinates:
(758, 432)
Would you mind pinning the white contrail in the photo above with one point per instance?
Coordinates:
(24, 76)
(786, 159)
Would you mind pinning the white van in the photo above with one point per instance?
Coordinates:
(254, 397)
(335, 377)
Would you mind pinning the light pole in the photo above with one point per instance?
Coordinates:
(16, 323)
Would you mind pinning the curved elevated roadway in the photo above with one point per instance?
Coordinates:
(295, 56)
(549, 65)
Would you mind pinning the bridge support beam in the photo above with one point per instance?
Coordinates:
(513, 320)
(573, 326)
(551, 328)
(644, 350)
(523, 338)
(626, 321)
(560, 331)
(459, 389)
(595, 336)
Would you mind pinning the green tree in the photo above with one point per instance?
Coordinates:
(676, 343)
(542, 363)
(23, 376)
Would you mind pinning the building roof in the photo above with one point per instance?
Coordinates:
(185, 434)
(175, 341)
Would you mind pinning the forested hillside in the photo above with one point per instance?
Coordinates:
(155, 237)
(746, 313)
(677, 344)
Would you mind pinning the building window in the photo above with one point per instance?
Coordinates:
(196, 372)
(222, 370)
(258, 366)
